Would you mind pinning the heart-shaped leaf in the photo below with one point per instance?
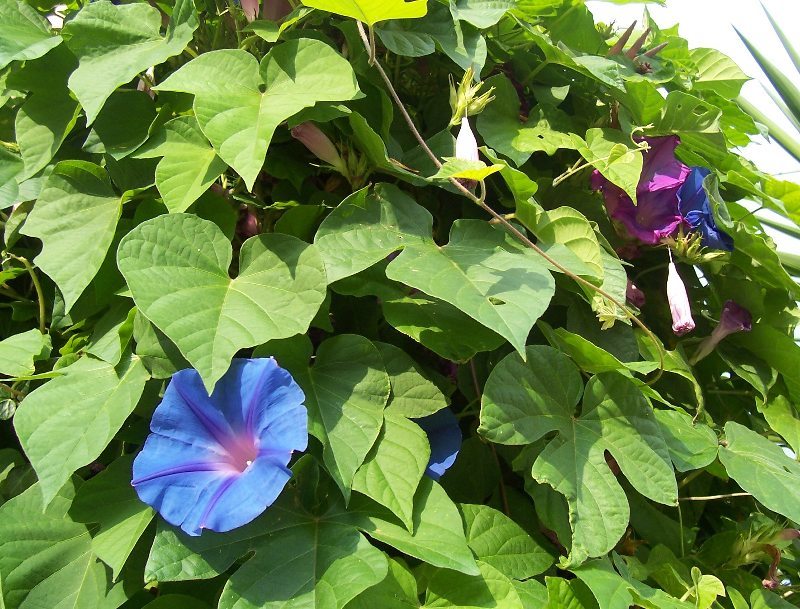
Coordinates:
(176, 267)
(239, 104)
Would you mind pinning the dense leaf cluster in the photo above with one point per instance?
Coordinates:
(164, 209)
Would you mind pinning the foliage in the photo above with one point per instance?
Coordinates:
(181, 188)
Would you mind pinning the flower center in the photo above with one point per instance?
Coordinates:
(242, 451)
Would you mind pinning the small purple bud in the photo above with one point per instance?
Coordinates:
(247, 226)
(679, 306)
(318, 143)
(275, 10)
(634, 295)
(789, 534)
(250, 8)
(466, 144)
(734, 318)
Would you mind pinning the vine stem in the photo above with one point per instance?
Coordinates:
(712, 497)
(500, 219)
(479, 393)
(39, 292)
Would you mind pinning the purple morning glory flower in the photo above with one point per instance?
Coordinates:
(734, 318)
(696, 209)
(444, 437)
(216, 462)
(656, 214)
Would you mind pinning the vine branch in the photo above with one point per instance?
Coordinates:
(38, 287)
(500, 219)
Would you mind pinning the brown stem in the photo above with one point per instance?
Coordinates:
(499, 217)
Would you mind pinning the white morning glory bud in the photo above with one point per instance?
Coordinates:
(682, 321)
(466, 144)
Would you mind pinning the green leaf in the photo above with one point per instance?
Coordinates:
(346, 392)
(413, 395)
(508, 417)
(46, 559)
(397, 591)
(372, 11)
(176, 267)
(18, 353)
(24, 34)
(523, 401)
(67, 422)
(438, 534)
(587, 355)
(782, 416)
(368, 226)
(391, 472)
(561, 595)
(112, 333)
(110, 500)
(691, 445)
(452, 590)
(547, 129)
(569, 227)
(778, 349)
(762, 469)
(481, 13)
(440, 326)
(49, 113)
(116, 137)
(298, 558)
(233, 112)
(502, 543)
(114, 43)
(467, 170)
(484, 273)
(11, 166)
(717, 72)
(462, 44)
(75, 217)
(521, 186)
(614, 155)
(189, 164)
(310, 564)
(687, 113)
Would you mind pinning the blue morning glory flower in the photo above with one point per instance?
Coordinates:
(696, 210)
(444, 437)
(218, 462)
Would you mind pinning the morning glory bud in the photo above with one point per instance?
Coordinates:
(682, 321)
(734, 318)
(275, 10)
(634, 295)
(466, 144)
(250, 8)
(317, 142)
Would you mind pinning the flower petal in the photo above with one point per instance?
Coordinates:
(444, 437)
(187, 414)
(241, 499)
(660, 168)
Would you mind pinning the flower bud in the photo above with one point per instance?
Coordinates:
(682, 321)
(145, 83)
(466, 144)
(275, 10)
(634, 295)
(734, 318)
(250, 8)
(317, 142)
